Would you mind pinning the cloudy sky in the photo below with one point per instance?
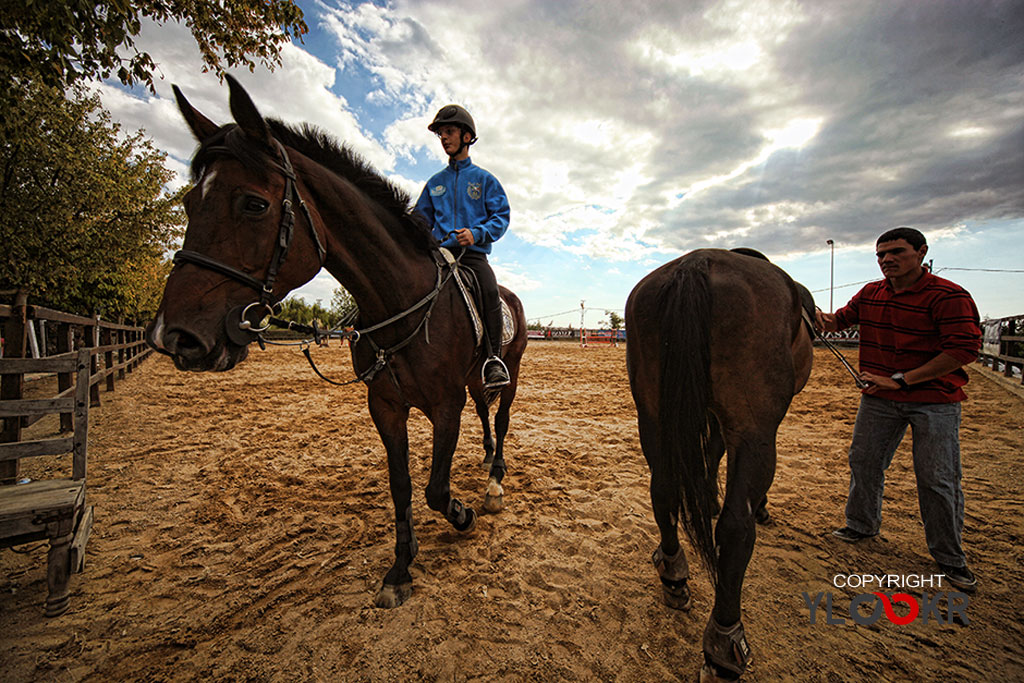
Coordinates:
(627, 133)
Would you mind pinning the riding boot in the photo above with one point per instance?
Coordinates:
(494, 371)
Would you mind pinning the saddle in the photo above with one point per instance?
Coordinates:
(465, 282)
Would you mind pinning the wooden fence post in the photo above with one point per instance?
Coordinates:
(91, 338)
(12, 386)
(121, 339)
(65, 343)
(132, 351)
(107, 338)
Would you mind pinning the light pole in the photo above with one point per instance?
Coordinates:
(831, 272)
(583, 329)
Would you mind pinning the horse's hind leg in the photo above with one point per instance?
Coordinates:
(494, 500)
(484, 413)
(391, 423)
(494, 449)
(715, 450)
(751, 469)
(669, 557)
(494, 496)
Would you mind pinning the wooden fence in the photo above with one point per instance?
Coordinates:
(35, 332)
(1003, 345)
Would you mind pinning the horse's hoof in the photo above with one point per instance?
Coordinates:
(488, 460)
(494, 499)
(462, 517)
(392, 596)
(763, 517)
(677, 596)
(708, 675)
(470, 522)
(726, 651)
(494, 504)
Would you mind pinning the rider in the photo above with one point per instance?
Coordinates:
(466, 208)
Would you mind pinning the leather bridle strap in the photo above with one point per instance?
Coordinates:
(284, 238)
(195, 258)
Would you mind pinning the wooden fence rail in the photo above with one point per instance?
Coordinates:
(1003, 345)
(35, 332)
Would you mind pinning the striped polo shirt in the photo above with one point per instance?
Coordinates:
(900, 332)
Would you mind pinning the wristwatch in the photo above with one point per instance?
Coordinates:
(898, 378)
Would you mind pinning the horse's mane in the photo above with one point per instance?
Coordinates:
(325, 150)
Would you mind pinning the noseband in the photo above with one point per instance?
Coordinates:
(239, 329)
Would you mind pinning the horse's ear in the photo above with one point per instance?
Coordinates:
(202, 127)
(246, 115)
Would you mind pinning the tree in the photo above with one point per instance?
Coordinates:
(61, 41)
(614, 320)
(343, 307)
(85, 219)
(295, 309)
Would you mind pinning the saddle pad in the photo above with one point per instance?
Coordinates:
(508, 325)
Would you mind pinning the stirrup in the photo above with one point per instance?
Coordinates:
(497, 384)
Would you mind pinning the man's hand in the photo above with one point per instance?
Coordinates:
(877, 382)
(465, 237)
(825, 321)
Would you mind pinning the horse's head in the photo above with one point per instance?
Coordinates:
(239, 257)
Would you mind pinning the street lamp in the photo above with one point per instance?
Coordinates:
(831, 272)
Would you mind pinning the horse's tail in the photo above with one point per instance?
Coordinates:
(685, 393)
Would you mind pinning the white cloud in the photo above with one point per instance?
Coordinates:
(511, 276)
(626, 131)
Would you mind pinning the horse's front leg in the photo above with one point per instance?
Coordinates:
(391, 421)
(446, 437)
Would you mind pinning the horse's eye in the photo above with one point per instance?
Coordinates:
(255, 205)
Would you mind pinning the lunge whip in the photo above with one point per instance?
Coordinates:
(861, 384)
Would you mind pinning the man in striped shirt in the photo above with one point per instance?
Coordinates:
(917, 331)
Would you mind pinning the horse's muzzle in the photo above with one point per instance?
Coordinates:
(190, 352)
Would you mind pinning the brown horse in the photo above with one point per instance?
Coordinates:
(417, 346)
(717, 349)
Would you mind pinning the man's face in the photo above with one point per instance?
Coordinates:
(898, 259)
(451, 138)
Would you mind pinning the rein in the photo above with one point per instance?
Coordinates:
(383, 354)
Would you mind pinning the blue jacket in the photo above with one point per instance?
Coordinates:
(463, 195)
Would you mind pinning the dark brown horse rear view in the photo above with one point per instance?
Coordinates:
(717, 350)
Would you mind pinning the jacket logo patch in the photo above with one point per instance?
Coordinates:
(474, 190)
(437, 190)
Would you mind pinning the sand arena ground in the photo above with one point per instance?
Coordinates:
(243, 525)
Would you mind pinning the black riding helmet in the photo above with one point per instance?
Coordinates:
(454, 115)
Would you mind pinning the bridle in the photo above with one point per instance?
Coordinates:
(238, 326)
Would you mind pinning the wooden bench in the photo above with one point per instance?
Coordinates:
(53, 509)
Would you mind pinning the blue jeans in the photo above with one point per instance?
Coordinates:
(935, 427)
